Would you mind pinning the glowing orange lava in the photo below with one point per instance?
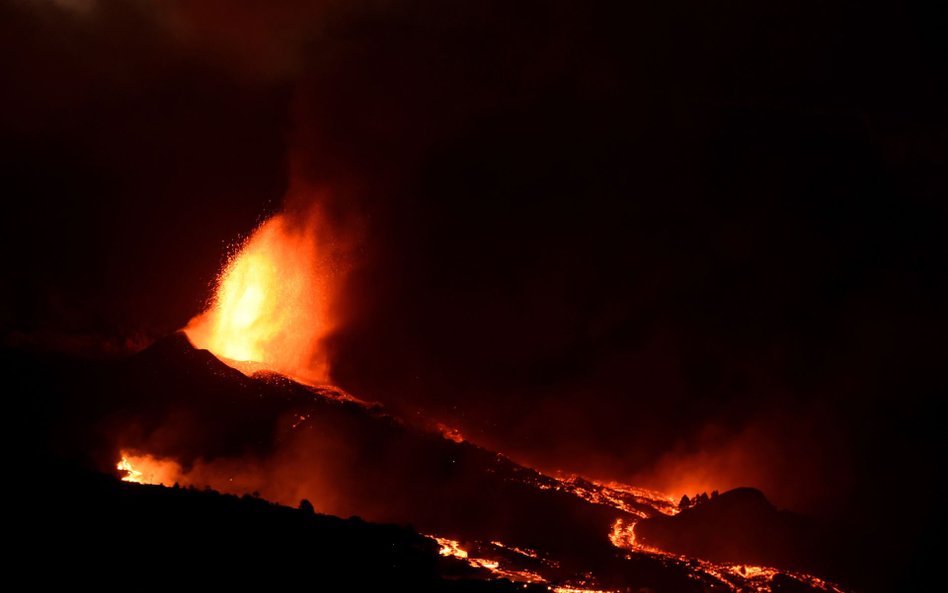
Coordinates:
(146, 469)
(452, 434)
(735, 577)
(271, 307)
(450, 547)
(131, 474)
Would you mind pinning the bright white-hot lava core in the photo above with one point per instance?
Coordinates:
(271, 306)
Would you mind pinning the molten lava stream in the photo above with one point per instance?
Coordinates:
(736, 577)
(272, 302)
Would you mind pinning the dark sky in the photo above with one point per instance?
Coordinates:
(637, 240)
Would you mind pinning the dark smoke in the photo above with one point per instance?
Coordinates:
(622, 240)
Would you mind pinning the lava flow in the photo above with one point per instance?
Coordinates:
(735, 577)
(272, 303)
(640, 503)
(450, 547)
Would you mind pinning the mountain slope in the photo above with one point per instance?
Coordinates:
(181, 407)
(96, 529)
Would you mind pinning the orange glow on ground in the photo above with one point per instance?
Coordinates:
(271, 306)
(146, 469)
(452, 434)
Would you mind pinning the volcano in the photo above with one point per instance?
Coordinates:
(196, 424)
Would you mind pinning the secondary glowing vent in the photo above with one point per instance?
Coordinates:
(146, 469)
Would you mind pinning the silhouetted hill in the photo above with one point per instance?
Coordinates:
(742, 526)
(120, 535)
(350, 459)
(290, 441)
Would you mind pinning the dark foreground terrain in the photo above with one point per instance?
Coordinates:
(741, 525)
(99, 530)
(72, 418)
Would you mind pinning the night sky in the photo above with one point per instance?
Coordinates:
(626, 239)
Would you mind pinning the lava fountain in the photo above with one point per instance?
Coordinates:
(271, 308)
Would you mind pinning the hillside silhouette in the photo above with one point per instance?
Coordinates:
(110, 532)
(268, 434)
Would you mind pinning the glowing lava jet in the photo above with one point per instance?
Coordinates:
(271, 307)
